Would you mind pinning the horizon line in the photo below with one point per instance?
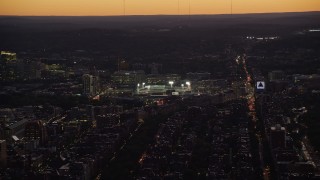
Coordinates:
(253, 13)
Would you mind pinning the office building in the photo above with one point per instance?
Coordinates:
(127, 78)
(276, 75)
(36, 130)
(278, 136)
(90, 84)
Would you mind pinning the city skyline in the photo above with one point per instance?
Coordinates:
(160, 97)
(156, 7)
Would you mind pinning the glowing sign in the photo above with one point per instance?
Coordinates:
(261, 85)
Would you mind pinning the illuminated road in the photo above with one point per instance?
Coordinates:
(249, 85)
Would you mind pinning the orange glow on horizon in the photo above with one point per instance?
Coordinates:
(151, 7)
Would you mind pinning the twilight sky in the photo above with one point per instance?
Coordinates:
(151, 7)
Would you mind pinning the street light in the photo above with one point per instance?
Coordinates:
(171, 83)
(188, 84)
(143, 85)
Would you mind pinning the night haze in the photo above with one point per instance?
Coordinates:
(173, 89)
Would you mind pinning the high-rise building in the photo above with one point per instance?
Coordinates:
(3, 153)
(36, 130)
(95, 85)
(278, 136)
(276, 75)
(87, 79)
(9, 56)
(90, 84)
(127, 78)
(8, 66)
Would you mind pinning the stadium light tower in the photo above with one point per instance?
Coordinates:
(171, 83)
(188, 84)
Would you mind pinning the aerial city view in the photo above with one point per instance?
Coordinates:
(161, 90)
